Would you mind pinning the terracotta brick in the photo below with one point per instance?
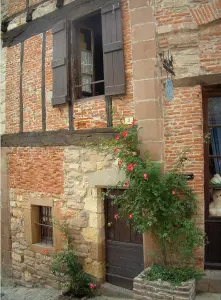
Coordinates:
(148, 110)
(56, 117)
(142, 15)
(150, 130)
(15, 6)
(146, 89)
(143, 32)
(37, 169)
(31, 87)
(144, 69)
(12, 89)
(145, 49)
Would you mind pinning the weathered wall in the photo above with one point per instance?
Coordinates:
(190, 31)
(65, 175)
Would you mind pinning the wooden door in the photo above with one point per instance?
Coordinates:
(212, 156)
(124, 248)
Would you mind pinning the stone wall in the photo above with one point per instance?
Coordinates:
(70, 177)
(145, 290)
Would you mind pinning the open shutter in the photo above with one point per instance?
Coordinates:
(114, 71)
(60, 63)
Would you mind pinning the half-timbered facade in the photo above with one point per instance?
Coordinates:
(73, 69)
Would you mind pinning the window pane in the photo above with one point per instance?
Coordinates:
(215, 171)
(214, 111)
(215, 141)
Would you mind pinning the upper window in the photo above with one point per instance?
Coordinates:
(88, 56)
(90, 70)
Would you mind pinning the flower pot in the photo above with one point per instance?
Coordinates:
(144, 289)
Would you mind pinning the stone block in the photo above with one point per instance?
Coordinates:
(96, 220)
(146, 89)
(148, 110)
(144, 50)
(137, 3)
(88, 166)
(162, 290)
(95, 268)
(94, 204)
(151, 130)
(97, 252)
(144, 69)
(154, 149)
(142, 15)
(93, 235)
(143, 32)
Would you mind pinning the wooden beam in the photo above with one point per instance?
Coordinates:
(21, 88)
(56, 138)
(72, 11)
(43, 100)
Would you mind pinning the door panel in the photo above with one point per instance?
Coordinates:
(124, 248)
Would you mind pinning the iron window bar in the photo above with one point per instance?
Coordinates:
(45, 224)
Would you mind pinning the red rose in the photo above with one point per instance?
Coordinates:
(45, 251)
(130, 167)
(127, 183)
(174, 192)
(117, 137)
(116, 216)
(130, 216)
(145, 176)
(116, 150)
(119, 162)
(134, 122)
(124, 133)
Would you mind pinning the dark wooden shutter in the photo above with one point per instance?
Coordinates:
(114, 71)
(60, 63)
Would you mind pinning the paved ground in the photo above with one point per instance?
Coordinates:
(23, 293)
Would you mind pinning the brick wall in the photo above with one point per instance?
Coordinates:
(36, 169)
(56, 117)
(12, 90)
(31, 85)
(15, 6)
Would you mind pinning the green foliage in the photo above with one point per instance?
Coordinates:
(173, 275)
(161, 203)
(68, 270)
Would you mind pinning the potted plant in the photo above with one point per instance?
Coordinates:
(164, 205)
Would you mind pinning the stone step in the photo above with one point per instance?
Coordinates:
(211, 282)
(110, 290)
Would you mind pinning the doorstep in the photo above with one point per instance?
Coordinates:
(211, 282)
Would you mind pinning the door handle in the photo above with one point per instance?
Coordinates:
(109, 224)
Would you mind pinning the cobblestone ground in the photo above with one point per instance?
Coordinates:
(22, 293)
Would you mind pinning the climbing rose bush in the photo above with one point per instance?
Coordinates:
(161, 203)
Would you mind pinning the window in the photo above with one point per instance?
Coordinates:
(89, 79)
(45, 225)
(212, 154)
(88, 56)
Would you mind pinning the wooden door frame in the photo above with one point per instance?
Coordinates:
(208, 92)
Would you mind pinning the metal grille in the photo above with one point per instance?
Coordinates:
(45, 223)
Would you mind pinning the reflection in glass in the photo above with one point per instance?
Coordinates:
(214, 111)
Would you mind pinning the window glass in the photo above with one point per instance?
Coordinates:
(214, 111)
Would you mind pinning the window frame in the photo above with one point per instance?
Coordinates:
(208, 92)
(75, 57)
(31, 234)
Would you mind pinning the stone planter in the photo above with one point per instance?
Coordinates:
(151, 290)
